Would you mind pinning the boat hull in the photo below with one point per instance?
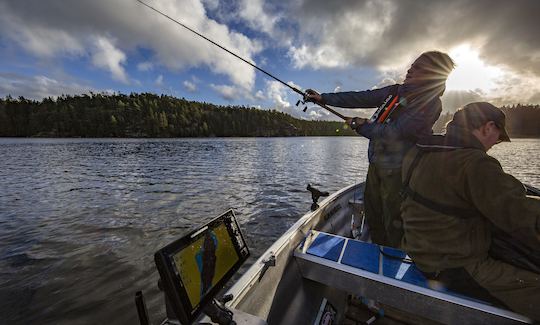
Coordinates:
(279, 294)
(287, 287)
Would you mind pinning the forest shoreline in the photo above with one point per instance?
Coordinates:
(160, 116)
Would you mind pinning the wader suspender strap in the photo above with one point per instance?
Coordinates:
(435, 206)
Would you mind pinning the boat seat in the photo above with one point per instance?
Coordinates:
(388, 276)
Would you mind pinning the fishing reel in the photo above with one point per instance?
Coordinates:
(305, 99)
(303, 102)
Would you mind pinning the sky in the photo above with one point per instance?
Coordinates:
(54, 47)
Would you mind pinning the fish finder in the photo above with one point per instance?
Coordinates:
(194, 268)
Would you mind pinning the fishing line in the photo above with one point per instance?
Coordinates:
(296, 90)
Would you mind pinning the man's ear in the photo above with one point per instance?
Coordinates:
(482, 129)
(489, 126)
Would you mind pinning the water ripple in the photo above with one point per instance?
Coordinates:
(80, 219)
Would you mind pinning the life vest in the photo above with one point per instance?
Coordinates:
(383, 113)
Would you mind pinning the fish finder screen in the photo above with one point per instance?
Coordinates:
(194, 268)
(205, 262)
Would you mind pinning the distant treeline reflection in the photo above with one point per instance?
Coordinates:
(150, 115)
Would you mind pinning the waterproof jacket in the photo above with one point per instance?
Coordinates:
(455, 171)
(389, 142)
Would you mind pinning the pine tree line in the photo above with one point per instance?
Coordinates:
(521, 121)
(148, 115)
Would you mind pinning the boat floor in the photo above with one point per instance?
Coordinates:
(357, 313)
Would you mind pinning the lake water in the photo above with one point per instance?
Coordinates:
(80, 219)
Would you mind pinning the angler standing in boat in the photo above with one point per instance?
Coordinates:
(460, 205)
(415, 106)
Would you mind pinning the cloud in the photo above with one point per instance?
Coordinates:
(177, 48)
(317, 114)
(38, 87)
(386, 81)
(375, 35)
(145, 66)
(226, 92)
(514, 88)
(259, 17)
(57, 28)
(389, 33)
(108, 57)
(454, 99)
(232, 93)
(190, 86)
(292, 84)
(509, 89)
(277, 93)
(260, 95)
(159, 81)
(211, 4)
(339, 34)
(535, 98)
(322, 56)
(45, 42)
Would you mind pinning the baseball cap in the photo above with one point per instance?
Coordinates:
(474, 115)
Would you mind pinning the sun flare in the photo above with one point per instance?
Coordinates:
(471, 73)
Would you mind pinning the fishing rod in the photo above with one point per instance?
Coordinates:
(296, 90)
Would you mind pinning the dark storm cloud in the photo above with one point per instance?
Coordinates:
(506, 32)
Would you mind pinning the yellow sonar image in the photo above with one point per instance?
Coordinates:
(202, 264)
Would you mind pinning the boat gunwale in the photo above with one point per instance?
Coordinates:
(241, 286)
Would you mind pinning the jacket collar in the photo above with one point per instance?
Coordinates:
(455, 138)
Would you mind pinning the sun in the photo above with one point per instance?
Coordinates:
(471, 73)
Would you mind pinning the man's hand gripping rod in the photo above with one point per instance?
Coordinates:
(304, 100)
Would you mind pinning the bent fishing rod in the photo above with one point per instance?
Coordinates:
(296, 90)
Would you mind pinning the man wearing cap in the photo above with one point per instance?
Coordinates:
(455, 196)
